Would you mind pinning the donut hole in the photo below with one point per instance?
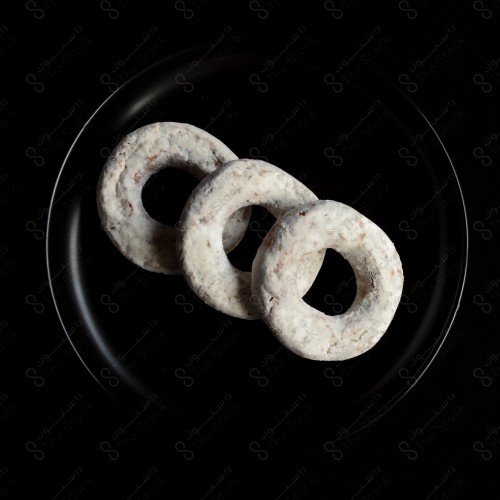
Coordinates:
(165, 193)
(334, 289)
(260, 223)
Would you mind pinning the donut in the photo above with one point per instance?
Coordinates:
(207, 269)
(373, 258)
(140, 154)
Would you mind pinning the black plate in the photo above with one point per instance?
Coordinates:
(349, 136)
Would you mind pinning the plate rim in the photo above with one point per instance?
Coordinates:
(451, 316)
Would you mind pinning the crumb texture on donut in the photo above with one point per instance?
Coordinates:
(377, 268)
(207, 269)
(214, 221)
(140, 154)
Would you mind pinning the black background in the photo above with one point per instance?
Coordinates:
(457, 454)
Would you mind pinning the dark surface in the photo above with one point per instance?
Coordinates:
(441, 440)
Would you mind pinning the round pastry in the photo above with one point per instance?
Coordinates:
(376, 265)
(206, 267)
(143, 240)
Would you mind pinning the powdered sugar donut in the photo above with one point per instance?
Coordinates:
(206, 267)
(377, 268)
(143, 240)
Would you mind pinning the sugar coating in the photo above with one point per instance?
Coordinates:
(206, 267)
(376, 265)
(145, 151)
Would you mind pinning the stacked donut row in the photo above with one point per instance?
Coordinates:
(214, 221)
